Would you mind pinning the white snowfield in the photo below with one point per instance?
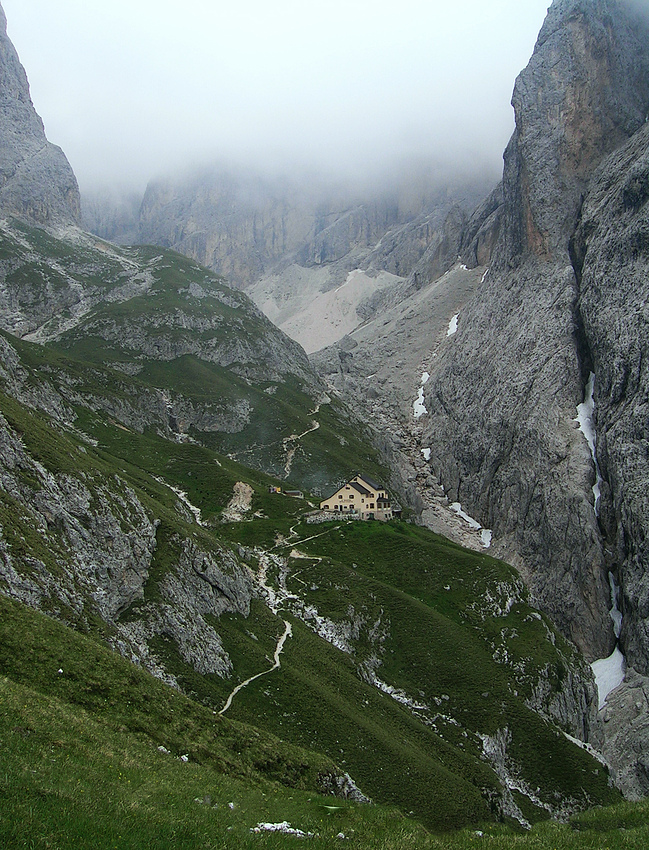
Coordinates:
(609, 673)
(486, 535)
(457, 507)
(419, 405)
(452, 325)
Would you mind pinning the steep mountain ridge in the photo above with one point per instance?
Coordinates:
(295, 242)
(36, 181)
(501, 413)
(532, 410)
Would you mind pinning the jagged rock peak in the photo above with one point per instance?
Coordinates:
(36, 181)
(584, 92)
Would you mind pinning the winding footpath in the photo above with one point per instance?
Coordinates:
(288, 631)
(275, 599)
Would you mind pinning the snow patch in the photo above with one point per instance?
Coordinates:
(452, 325)
(486, 534)
(586, 420)
(419, 404)
(609, 673)
(426, 453)
(457, 508)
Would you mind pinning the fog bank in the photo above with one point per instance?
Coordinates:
(134, 88)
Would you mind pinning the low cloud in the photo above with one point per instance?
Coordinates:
(130, 90)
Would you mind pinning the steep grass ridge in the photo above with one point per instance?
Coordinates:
(187, 355)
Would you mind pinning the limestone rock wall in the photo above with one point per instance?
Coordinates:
(36, 181)
(503, 395)
(611, 249)
(244, 225)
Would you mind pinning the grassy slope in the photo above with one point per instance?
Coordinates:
(80, 767)
(183, 304)
(278, 408)
(80, 764)
(435, 645)
(436, 649)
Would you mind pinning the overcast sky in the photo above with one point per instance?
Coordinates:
(131, 88)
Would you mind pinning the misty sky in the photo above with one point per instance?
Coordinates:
(131, 88)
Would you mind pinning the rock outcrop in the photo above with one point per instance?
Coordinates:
(626, 729)
(503, 396)
(36, 181)
(77, 540)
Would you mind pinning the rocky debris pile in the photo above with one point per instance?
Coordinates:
(284, 828)
(240, 503)
(377, 367)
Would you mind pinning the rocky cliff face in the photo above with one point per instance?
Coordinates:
(243, 225)
(611, 252)
(291, 242)
(236, 224)
(36, 181)
(503, 396)
(79, 542)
